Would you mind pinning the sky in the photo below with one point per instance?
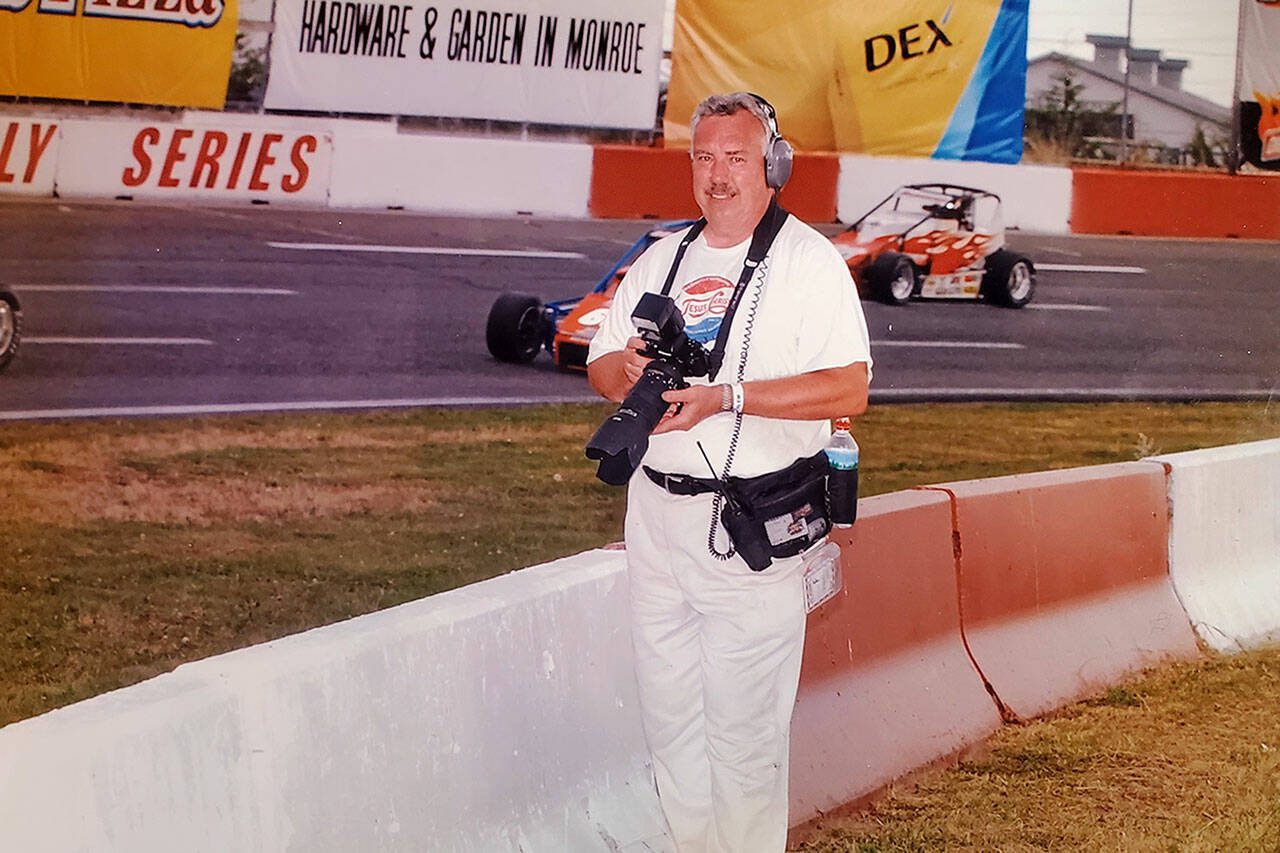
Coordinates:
(1200, 31)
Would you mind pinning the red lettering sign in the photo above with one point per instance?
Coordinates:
(204, 159)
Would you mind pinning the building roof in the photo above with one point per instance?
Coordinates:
(1200, 107)
(1100, 40)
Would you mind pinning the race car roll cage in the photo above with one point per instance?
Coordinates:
(959, 208)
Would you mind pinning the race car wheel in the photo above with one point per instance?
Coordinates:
(1010, 279)
(10, 328)
(516, 328)
(891, 278)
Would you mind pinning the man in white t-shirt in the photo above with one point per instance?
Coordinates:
(718, 645)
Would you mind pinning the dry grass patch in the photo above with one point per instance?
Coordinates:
(1185, 758)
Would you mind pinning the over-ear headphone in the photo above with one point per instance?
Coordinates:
(777, 151)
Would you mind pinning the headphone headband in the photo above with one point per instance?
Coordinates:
(771, 115)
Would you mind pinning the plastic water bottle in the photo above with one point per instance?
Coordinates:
(842, 475)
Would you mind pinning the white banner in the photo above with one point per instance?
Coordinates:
(1260, 41)
(591, 63)
(1259, 93)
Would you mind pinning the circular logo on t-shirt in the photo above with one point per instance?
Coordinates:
(703, 302)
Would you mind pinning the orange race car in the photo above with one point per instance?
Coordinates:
(929, 241)
(520, 326)
(936, 241)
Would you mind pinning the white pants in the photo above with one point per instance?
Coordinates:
(718, 651)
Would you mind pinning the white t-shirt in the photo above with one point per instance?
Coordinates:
(803, 314)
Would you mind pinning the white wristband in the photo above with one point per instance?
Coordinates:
(739, 398)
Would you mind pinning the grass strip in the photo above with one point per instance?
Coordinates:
(1185, 758)
(132, 546)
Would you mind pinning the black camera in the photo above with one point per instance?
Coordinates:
(621, 441)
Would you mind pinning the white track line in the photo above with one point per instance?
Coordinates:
(938, 395)
(883, 395)
(426, 250)
(1064, 306)
(950, 344)
(288, 406)
(1089, 268)
(142, 342)
(153, 288)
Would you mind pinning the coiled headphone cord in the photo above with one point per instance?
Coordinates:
(717, 502)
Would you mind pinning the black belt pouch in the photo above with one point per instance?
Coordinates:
(786, 509)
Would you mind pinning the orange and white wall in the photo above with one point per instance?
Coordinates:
(208, 157)
(503, 715)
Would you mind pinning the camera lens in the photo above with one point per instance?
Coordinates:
(621, 441)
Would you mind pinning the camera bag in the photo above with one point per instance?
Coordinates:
(786, 509)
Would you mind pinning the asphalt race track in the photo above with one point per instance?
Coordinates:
(147, 309)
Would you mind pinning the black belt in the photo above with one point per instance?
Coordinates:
(681, 484)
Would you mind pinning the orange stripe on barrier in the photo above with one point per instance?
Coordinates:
(1166, 204)
(1064, 581)
(886, 685)
(630, 182)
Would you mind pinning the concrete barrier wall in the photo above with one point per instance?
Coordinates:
(452, 174)
(503, 716)
(1064, 585)
(631, 182)
(886, 685)
(28, 156)
(225, 161)
(1033, 198)
(204, 157)
(500, 716)
(1224, 541)
(1175, 204)
(216, 157)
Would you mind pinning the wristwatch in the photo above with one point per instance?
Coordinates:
(731, 398)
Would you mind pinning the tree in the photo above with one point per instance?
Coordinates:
(1205, 151)
(1061, 119)
(248, 76)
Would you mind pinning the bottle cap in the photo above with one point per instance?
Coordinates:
(843, 423)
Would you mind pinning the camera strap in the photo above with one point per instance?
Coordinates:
(761, 241)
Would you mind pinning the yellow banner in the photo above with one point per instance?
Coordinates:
(169, 52)
(906, 78)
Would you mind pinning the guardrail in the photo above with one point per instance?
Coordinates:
(207, 157)
(503, 715)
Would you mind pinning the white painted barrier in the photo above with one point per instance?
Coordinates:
(318, 161)
(203, 156)
(1034, 198)
(204, 161)
(499, 716)
(28, 155)
(452, 174)
(1224, 541)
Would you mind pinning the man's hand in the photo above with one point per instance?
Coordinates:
(633, 363)
(689, 406)
(614, 374)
